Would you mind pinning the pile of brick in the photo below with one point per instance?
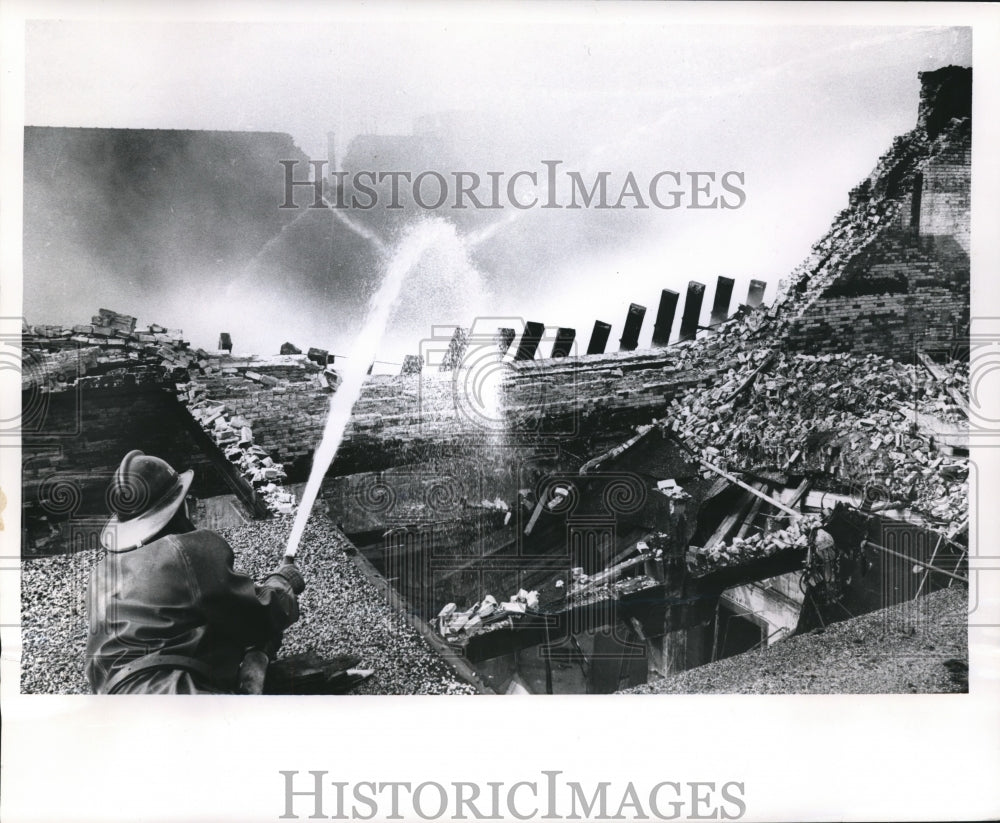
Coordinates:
(112, 338)
(852, 418)
(953, 377)
(107, 327)
(59, 358)
(48, 331)
(224, 391)
(489, 614)
(455, 625)
(235, 438)
(109, 340)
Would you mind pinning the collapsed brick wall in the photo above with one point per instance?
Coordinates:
(909, 288)
(286, 418)
(61, 365)
(89, 433)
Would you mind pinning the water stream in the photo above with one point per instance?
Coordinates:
(415, 242)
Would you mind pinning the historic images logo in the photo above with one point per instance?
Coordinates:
(546, 188)
(546, 797)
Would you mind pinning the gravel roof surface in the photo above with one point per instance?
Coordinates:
(913, 647)
(342, 613)
(918, 646)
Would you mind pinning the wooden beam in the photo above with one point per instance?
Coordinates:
(800, 492)
(767, 498)
(742, 387)
(617, 450)
(914, 560)
(539, 506)
(729, 521)
(748, 520)
(610, 574)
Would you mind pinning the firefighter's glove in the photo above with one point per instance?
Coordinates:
(290, 572)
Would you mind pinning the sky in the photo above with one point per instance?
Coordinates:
(803, 112)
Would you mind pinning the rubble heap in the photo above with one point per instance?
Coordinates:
(110, 352)
(856, 419)
(235, 437)
(702, 560)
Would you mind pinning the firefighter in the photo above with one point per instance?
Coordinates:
(167, 612)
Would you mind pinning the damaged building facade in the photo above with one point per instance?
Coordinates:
(609, 519)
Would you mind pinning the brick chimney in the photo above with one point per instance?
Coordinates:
(945, 93)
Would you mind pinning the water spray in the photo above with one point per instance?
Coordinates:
(407, 254)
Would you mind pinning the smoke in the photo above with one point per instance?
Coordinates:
(183, 228)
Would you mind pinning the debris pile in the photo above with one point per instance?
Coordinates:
(110, 352)
(235, 438)
(524, 608)
(485, 615)
(702, 560)
(851, 417)
(104, 353)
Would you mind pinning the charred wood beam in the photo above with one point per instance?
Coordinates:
(633, 324)
(563, 345)
(723, 297)
(755, 294)
(692, 310)
(665, 317)
(599, 337)
(529, 341)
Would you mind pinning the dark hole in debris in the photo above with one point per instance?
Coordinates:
(958, 671)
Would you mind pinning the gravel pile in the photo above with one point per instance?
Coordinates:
(919, 646)
(54, 623)
(341, 613)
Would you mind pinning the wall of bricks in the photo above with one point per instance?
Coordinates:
(889, 324)
(286, 419)
(910, 287)
(945, 198)
(88, 433)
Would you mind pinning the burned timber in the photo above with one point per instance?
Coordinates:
(598, 520)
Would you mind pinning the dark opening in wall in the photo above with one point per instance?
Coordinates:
(918, 188)
(861, 285)
(736, 633)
